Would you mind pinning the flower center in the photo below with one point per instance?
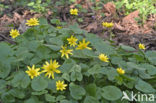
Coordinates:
(14, 33)
(32, 22)
(60, 86)
(65, 51)
(84, 46)
(32, 73)
(52, 68)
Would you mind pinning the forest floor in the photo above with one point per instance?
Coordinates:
(125, 31)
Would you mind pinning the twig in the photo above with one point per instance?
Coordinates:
(7, 39)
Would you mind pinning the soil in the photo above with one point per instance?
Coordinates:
(125, 31)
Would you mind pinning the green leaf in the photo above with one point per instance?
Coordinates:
(53, 47)
(30, 4)
(134, 66)
(22, 53)
(96, 69)
(66, 76)
(55, 21)
(4, 70)
(35, 60)
(83, 54)
(76, 76)
(39, 92)
(91, 89)
(151, 55)
(76, 73)
(56, 41)
(129, 84)
(7, 98)
(33, 99)
(144, 75)
(144, 87)
(76, 91)
(3, 84)
(65, 32)
(72, 0)
(111, 93)
(65, 101)
(49, 98)
(116, 60)
(90, 99)
(17, 79)
(43, 21)
(151, 70)
(60, 97)
(89, 53)
(52, 85)
(111, 73)
(20, 79)
(39, 83)
(76, 68)
(31, 45)
(25, 81)
(67, 66)
(100, 45)
(6, 58)
(43, 52)
(137, 57)
(5, 51)
(17, 93)
(127, 48)
(75, 28)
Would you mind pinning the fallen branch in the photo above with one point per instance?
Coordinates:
(7, 39)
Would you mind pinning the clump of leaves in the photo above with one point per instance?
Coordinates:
(87, 79)
(39, 6)
(145, 7)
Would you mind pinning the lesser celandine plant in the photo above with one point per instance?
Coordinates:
(74, 11)
(14, 33)
(108, 26)
(69, 65)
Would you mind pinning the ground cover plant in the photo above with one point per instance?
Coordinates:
(69, 65)
(54, 61)
(145, 7)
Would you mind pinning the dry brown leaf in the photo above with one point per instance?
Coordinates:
(17, 18)
(109, 9)
(131, 17)
(27, 14)
(92, 26)
(118, 26)
(4, 22)
(130, 24)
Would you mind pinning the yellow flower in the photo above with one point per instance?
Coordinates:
(65, 51)
(32, 72)
(83, 45)
(107, 25)
(103, 58)
(51, 68)
(14, 33)
(141, 46)
(32, 22)
(120, 71)
(74, 11)
(59, 27)
(60, 85)
(72, 41)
